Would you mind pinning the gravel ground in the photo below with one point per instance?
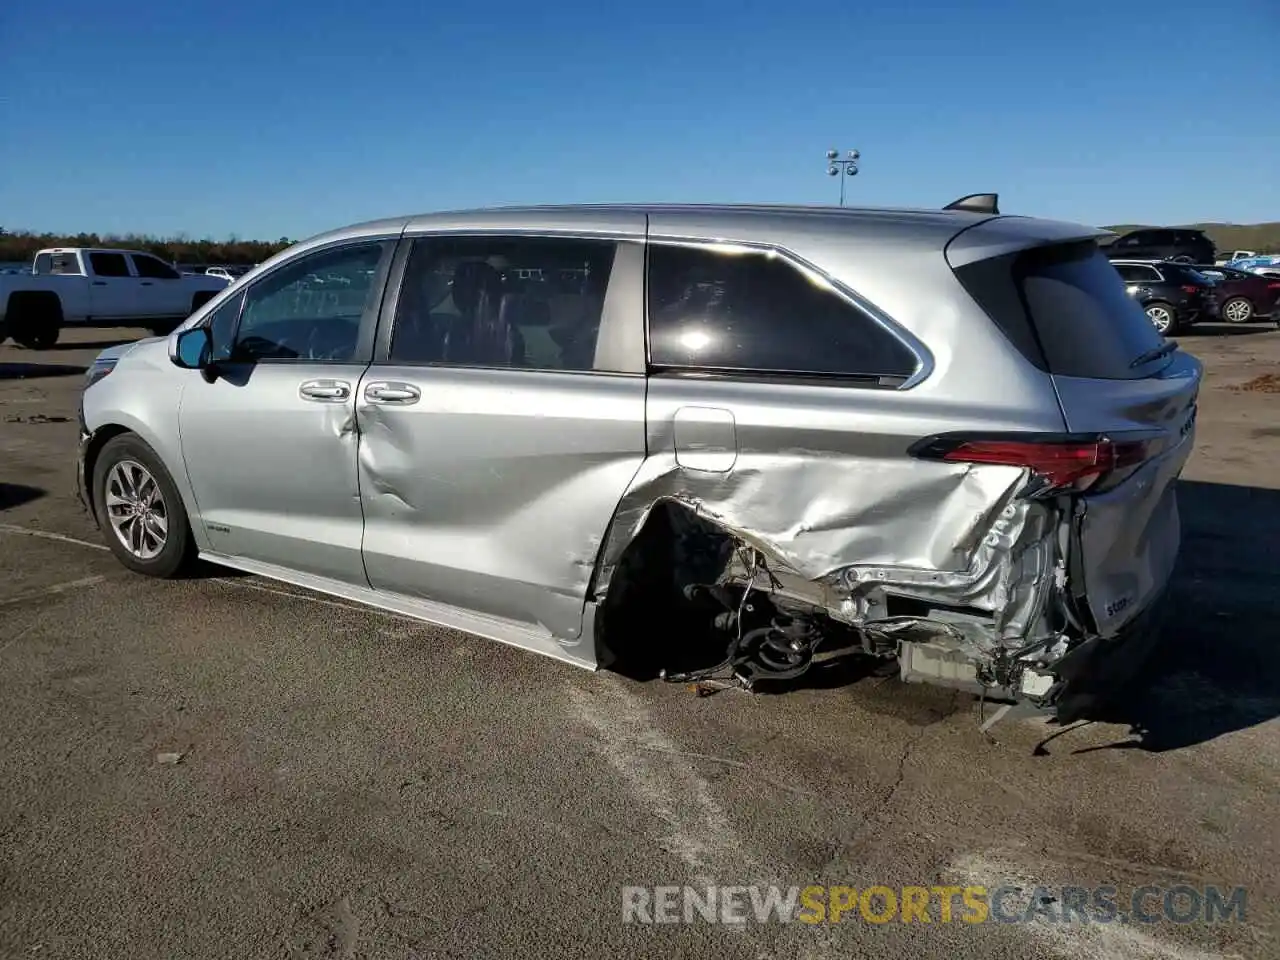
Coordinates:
(353, 784)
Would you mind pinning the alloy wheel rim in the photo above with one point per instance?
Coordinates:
(136, 509)
(1160, 318)
(1238, 311)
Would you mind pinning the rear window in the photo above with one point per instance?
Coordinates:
(109, 264)
(757, 313)
(1066, 309)
(1180, 274)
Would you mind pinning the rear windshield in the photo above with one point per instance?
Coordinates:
(1066, 309)
(1180, 274)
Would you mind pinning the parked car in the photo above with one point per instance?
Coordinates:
(1222, 261)
(230, 274)
(946, 437)
(1267, 265)
(91, 287)
(1173, 294)
(1244, 296)
(1164, 243)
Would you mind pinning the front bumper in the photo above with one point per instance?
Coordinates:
(82, 450)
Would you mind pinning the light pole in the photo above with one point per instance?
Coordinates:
(842, 168)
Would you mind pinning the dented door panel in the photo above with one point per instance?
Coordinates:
(493, 490)
(273, 470)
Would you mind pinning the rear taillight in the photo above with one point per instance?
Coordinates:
(1273, 286)
(1190, 288)
(1057, 464)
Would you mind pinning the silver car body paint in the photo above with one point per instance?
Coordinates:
(503, 501)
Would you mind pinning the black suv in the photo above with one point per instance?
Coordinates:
(1173, 294)
(1166, 243)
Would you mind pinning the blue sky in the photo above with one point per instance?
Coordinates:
(264, 119)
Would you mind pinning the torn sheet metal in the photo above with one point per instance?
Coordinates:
(844, 534)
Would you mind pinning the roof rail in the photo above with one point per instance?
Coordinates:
(976, 203)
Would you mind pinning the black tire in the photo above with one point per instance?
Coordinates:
(1174, 322)
(200, 299)
(178, 548)
(35, 320)
(165, 328)
(1243, 307)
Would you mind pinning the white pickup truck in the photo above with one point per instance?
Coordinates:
(74, 286)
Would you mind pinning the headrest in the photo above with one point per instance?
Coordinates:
(470, 279)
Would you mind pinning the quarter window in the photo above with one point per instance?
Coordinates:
(153, 269)
(532, 303)
(758, 312)
(109, 264)
(311, 309)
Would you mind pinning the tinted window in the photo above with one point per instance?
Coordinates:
(109, 264)
(1066, 309)
(43, 263)
(310, 309)
(753, 311)
(154, 269)
(533, 303)
(1180, 274)
(1134, 274)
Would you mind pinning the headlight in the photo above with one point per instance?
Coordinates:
(99, 370)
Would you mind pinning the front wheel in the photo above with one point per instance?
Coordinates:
(139, 509)
(1163, 317)
(1237, 310)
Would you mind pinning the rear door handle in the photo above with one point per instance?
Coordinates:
(386, 392)
(325, 391)
(99, 283)
(146, 283)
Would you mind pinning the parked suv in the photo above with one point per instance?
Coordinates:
(945, 437)
(1173, 294)
(1180, 244)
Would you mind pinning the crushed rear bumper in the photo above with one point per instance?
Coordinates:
(1101, 668)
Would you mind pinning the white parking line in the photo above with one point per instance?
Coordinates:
(50, 591)
(47, 535)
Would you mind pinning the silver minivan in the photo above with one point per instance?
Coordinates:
(947, 437)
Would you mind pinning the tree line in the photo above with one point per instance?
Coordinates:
(21, 246)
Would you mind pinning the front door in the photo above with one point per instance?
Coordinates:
(270, 444)
(501, 423)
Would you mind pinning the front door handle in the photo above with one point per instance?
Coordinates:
(384, 392)
(99, 283)
(146, 283)
(325, 391)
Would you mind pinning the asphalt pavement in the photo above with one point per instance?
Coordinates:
(229, 767)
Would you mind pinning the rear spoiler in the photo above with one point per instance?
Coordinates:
(976, 203)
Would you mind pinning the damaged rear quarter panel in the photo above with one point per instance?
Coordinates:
(823, 486)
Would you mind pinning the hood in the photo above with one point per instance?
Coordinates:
(122, 349)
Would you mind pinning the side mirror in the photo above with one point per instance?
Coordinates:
(193, 349)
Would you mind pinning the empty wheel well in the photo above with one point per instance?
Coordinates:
(39, 302)
(642, 616)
